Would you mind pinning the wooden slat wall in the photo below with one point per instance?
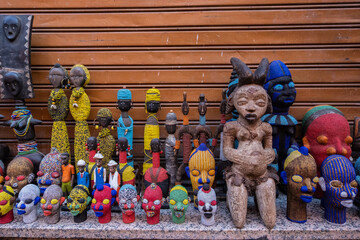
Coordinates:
(186, 45)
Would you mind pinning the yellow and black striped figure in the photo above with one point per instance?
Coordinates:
(58, 106)
(201, 167)
(105, 139)
(80, 110)
(152, 130)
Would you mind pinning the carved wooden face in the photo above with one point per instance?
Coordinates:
(104, 121)
(250, 101)
(153, 106)
(123, 144)
(77, 77)
(56, 75)
(124, 104)
(92, 143)
(155, 145)
(11, 27)
(13, 83)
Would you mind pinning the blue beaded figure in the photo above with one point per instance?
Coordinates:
(340, 187)
(281, 89)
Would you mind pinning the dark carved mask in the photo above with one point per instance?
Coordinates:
(11, 27)
(13, 83)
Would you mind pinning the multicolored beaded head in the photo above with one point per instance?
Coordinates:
(179, 202)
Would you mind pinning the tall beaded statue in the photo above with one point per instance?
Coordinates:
(151, 131)
(80, 109)
(105, 139)
(171, 160)
(126, 123)
(249, 173)
(58, 106)
(186, 134)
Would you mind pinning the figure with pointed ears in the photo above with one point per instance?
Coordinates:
(249, 173)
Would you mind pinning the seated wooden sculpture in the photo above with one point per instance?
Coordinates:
(249, 173)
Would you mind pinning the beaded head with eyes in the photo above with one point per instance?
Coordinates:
(77, 202)
(50, 170)
(51, 202)
(128, 200)
(7, 199)
(104, 197)
(151, 203)
(207, 204)
(179, 202)
(19, 173)
(27, 203)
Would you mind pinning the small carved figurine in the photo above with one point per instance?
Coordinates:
(19, 173)
(125, 170)
(92, 147)
(249, 173)
(99, 172)
(186, 134)
(220, 128)
(128, 200)
(233, 83)
(126, 123)
(202, 131)
(171, 159)
(105, 139)
(179, 202)
(78, 201)
(80, 109)
(340, 187)
(22, 123)
(51, 202)
(114, 176)
(15, 51)
(301, 179)
(206, 200)
(27, 203)
(326, 132)
(151, 203)
(281, 89)
(50, 170)
(104, 197)
(68, 172)
(58, 107)
(151, 131)
(157, 174)
(201, 169)
(7, 200)
(82, 177)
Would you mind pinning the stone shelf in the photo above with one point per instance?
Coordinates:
(315, 228)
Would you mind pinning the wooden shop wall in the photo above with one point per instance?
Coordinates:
(186, 45)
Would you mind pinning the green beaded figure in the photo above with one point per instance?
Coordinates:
(179, 203)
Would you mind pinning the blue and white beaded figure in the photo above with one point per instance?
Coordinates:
(340, 187)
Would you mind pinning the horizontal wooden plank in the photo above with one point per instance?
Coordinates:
(139, 115)
(196, 57)
(202, 76)
(174, 95)
(196, 38)
(66, 4)
(202, 18)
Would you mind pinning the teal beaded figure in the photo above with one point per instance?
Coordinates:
(125, 123)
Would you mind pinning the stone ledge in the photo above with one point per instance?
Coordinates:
(315, 228)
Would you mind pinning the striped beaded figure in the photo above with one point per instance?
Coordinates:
(80, 109)
(125, 126)
(340, 187)
(152, 130)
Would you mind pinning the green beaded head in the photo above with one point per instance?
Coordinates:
(179, 202)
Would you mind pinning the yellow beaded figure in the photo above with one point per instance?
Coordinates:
(80, 110)
(105, 139)
(58, 106)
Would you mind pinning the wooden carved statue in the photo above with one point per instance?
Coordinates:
(249, 173)
(281, 89)
(326, 132)
(300, 176)
(105, 139)
(22, 123)
(202, 131)
(92, 147)
(171, 159)
(27, 203)
(186, 134)
(220, 128)
(58, 106)
(80, 109)
(157, 174)
(114, 176)
(82, 177)
(126, 123)
(15, 51)
(68, 174)
(340, 187)
(126, 171)
(152, 130)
